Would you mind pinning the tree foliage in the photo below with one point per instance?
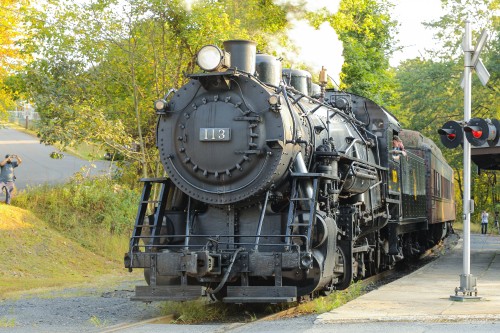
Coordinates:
(11, 13)
(367, 32)
(430, 91)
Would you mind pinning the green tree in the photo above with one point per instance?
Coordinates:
(367, 32)
(429, 89)
(11, 29)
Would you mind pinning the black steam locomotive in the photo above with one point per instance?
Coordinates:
(278, 189)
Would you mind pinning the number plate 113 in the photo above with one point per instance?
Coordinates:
(215, 134)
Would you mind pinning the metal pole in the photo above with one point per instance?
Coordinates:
(467, 154)
(467, 281)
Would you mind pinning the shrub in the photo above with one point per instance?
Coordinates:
(96, 202)
(98, 212)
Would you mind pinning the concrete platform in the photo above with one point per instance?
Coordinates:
(424, 295)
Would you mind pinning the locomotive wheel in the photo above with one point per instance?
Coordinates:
(345, 265)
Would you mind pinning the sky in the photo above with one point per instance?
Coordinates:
(414, 37)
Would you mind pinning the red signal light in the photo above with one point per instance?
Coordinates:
(451, 134)
(480, 131)
(477, 134)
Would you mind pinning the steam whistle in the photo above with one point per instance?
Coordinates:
(323, 80)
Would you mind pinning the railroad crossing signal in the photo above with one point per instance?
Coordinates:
(479, 131)
(471, 61)
(451, 134)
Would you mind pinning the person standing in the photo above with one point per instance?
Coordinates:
(484, 222)
(7, 176)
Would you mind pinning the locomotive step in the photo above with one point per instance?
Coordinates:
(260, 294)
(166, 293)
(150, 201)
(299, 225)
(154, 180)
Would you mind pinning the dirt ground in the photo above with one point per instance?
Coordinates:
(86, 308)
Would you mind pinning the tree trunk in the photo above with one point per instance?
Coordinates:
(136, 102)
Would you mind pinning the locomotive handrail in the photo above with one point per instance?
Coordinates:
(219, 241)
(313, 175)
(351, 145)
(294, 128)
(376, 143)
(379, 167)
(261, 221)
(363, 175)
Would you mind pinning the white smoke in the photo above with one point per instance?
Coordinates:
(314, 47)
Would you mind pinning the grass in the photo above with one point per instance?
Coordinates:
(202, 311)
(65, 235)
(36, 256)
(474, 227)
(96, 213)
(332, 301)
(97, 322)
(6, 322)
(196, 311)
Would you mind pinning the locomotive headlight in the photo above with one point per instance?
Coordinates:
(210, 58)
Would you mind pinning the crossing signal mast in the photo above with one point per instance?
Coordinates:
(477, 131)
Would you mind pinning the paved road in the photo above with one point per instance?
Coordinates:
(38, 167)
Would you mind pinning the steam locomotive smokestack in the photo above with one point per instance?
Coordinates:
(243, 54)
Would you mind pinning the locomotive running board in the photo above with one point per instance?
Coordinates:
(260, 294)
(166, 293)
